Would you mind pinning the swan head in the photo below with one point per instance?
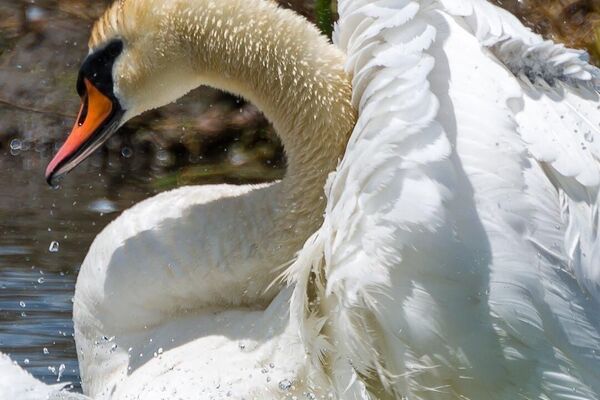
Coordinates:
(148, 53)
(123, 75)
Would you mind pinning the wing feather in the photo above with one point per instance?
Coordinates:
(459, 256)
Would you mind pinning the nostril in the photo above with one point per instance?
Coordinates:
(84, 111)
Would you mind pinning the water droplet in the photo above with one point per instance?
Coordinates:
(41, 280)
(61, 370)
(285, 385)
(588, 137)
(16, 145)
(160, 350)
(45, 351)
(54, 246)
(35, 14)
(52, 369)
(238, 157)
(113, 348)
(163, 156)
(26, 361)
(22, 304)
(126, 152)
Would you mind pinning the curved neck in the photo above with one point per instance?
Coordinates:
(279, 62)
(282, 64)
(268, 55)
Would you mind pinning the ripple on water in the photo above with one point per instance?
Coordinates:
(35, 325)
(14, 250)
(103, 206)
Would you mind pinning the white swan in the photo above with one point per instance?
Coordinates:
(15, 384)
(457, 257)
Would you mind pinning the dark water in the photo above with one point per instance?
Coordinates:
(37, 283)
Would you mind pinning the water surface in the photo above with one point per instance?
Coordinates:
(44, 236)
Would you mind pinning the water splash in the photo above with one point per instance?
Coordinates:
(54, 247)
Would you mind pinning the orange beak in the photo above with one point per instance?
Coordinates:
(92, 128)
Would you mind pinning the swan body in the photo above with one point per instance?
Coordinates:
(446, 249)
(201, 319)
(16, 383)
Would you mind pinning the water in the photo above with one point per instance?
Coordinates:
(44, 236)
(45, 233)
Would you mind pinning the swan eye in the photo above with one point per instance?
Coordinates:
(98, 68)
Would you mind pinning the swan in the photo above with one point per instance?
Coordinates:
(15, 383)
(434, 237)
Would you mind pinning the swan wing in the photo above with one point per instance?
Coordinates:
(16, 383)
(458, 255)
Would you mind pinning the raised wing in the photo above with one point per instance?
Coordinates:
(558, 117)
(458, 256)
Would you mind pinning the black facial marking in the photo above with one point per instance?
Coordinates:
(98, 68)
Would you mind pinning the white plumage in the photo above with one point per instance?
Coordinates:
(15, 384)
(459, 252)
(458, 257)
